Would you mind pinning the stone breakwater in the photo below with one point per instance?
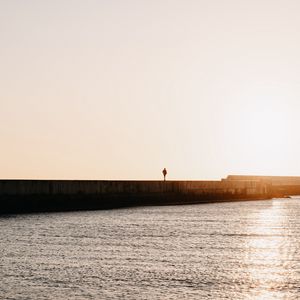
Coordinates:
(22, 196)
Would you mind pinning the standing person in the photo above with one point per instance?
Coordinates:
(164, 171)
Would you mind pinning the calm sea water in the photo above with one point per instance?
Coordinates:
(244, 250)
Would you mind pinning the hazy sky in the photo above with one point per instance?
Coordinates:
(121, 89)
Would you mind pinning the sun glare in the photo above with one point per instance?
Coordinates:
(268, 247)
(264, 135)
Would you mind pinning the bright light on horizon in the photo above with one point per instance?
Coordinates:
(264, 135)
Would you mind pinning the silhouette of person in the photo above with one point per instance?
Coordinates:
(164, 171)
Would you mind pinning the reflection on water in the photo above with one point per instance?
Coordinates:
(269, 251)
(245, 250)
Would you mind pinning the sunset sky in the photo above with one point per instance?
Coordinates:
(121, 89)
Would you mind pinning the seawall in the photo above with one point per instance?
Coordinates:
(18, 196)
(278, 186)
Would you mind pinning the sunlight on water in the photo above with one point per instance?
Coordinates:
(268, 249)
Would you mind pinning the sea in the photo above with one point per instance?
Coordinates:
(233, 250)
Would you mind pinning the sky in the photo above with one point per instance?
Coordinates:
(121, 89)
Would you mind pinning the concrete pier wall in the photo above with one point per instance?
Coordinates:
(278, 185)
(66, 187)
(221, 187)
(71, 187)
(61, 195)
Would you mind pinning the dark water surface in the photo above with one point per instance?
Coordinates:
(244, 250)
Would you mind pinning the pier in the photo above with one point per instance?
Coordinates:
(23, 196)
